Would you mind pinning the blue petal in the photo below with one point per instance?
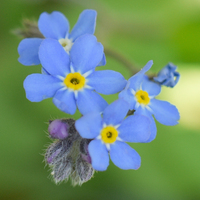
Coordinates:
(86, 53)
(136, 80)
(89, 101)
(135, 128)
(103, 61)
(123, 156)
(28, 51)
(107, 81)
(164, 112)
(44, 71)
(153, 89)
(54, 58)
(145, 68)
(54, 25)
(99, 155)
(65, 101)
(153, 129)
(115, 112)
(86, 24)
(40, 86)
(128, 96)
(90, 125)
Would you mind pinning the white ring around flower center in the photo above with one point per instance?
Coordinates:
(66, 44)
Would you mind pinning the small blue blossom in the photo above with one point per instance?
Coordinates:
(72, 80)
(56, 26)
(140, 93)
(168, 76)
(110, 133)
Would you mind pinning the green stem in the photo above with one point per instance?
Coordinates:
(108, 52)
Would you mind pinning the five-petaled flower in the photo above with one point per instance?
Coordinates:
(110, 133)
(140, 93)
(168, 76)
(71, 79)
(56, 26)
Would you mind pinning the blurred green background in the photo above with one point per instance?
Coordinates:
(140, 30)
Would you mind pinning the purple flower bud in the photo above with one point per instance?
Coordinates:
(68, 156)
(168, 76)
(58, 129)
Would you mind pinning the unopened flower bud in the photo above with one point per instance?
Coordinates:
(68, 155)
(29, 30)
(168, 76)
(84, 150)
(58, 150)
(63, 169)
(84, 170)
(58, 129)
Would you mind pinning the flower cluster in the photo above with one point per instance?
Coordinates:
(70, 78)
(68, 155)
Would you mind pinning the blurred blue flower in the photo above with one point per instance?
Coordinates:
(71, 80)
(110, 133)
(140, 93)
(56, 26)
(168, 76)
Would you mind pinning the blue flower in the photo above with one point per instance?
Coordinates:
(110, 133)
(71, 80)
(56, 26)
(140, 93)
(168, 76)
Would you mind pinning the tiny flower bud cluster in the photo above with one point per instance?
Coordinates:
(69, 60)
(68, 155)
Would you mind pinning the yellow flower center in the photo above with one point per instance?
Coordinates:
(74, 81)
(109, 134)
(142, 97)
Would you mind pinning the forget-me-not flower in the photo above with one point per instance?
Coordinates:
(110, 133)
(168, 76)
(72, 80)
(56, 26)
(140, 93)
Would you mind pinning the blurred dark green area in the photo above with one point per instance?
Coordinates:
(140, 30)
